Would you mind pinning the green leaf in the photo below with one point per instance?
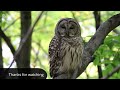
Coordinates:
(96, 61)
(108, 69)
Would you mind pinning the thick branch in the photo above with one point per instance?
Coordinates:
(95, 42)
(101, 33)
(7, 40)
(111, 73)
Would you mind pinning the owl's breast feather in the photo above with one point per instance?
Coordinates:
(71, 55)
(74, 42)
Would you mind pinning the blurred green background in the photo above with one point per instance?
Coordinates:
(108, 53)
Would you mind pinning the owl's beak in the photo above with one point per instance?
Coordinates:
(67, 32)
(67, 29)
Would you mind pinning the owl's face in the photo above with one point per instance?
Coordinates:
(68, 27)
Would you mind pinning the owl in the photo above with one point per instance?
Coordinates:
(66, 48)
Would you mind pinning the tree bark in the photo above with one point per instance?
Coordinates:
(94, 43)
(97, 24)
(23, 41)
(1, 58)
(23, 60)
(8, 42)
(97, 39)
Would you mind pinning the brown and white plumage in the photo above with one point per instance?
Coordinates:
(66, 48)
(54, 56)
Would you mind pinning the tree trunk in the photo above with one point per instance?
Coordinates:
(23, 60)
(1, 58)
(97, 24)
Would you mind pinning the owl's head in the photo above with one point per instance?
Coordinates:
(67, 27)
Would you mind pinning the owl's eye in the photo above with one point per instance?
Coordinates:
(62, 26)
(72, 27)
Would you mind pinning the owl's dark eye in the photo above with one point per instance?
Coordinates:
(62, 26)
(72, 27)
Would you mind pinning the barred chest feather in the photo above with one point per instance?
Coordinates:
(71, 53)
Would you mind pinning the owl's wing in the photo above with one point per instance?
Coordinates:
(54, 56)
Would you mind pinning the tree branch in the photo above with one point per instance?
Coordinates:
(39, 44)
(25, 39)
(95, 42)
(116, 31)
(97, 17)
(98, 22)
(97, 39)
(111, 73)
(11, 24)
(101, 33)
(45, 17)
(37, 57)
(73, 15)
(7, 40)
(1, 57)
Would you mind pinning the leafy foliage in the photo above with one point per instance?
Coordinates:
(108, 53)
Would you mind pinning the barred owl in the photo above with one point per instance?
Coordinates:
(65, 48)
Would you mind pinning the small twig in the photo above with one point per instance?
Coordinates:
(37, 57)
(112, 72)
(42, 48)
(87, 74)
(25, 38)
(45, 18)
(11, 24)
(36, 53)
(73, 14)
